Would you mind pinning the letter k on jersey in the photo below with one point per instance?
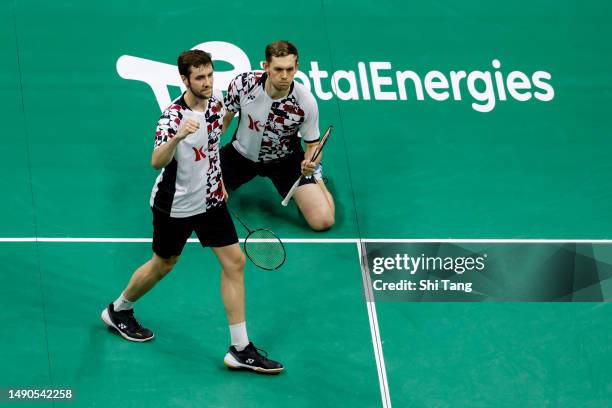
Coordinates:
(199, 153)
(253, 124)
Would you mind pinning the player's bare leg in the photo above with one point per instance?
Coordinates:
(242, 354)
(147, 276)
(232, 262)
(316, 204)
(119, 315)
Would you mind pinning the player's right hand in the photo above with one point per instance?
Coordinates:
(191, 126)
(307, 168)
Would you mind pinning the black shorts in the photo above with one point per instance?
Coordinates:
(214, 228)
(237, 170)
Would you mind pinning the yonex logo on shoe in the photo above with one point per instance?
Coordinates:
(122, 326)
(250, 361)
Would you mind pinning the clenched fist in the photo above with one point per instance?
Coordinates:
(307, 167)
(191, 126)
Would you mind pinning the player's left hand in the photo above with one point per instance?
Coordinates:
(307, 168)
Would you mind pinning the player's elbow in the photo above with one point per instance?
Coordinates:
(156, 164)
(156, 161)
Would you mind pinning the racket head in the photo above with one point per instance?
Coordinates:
(265, 249)
(322, 142)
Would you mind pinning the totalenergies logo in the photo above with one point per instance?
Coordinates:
(375, 80)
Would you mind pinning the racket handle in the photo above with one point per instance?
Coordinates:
(291, 192)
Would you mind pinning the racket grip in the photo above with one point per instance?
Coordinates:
(291, 192)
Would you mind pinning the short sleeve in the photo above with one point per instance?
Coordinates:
(310, 127)
(232, 98)
(167, 126)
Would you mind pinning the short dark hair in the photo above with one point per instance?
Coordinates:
(193, 58)
(280, 48)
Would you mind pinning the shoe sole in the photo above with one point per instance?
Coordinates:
(107, 320)
(233, 364)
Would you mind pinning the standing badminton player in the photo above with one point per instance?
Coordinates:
(188, 196)
(273, 109)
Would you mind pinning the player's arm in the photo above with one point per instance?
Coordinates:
(225, 194)
(163, 154)
(227, 120)
(307, 166)
(232, 100)
(310, 135)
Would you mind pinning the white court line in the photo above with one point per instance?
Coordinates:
(376, 342)
(191, 240)
(332, 240)
(488, 241)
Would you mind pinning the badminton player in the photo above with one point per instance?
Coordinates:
(273, 109)
(188, 196)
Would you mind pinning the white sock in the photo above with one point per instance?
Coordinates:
(239, 336)
(122, 304)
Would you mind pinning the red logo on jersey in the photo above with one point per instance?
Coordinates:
(199, 153)
(253, 124)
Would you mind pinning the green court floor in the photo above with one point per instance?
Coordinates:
(76, 165)
(497, 354)
(316, 323)
(310, 314)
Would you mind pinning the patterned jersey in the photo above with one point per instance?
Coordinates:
(191, 183)
(268, 128)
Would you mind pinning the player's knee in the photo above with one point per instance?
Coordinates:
(236, 263)
(163, 266)
(329, 222)
(241, 261)
(322, 223)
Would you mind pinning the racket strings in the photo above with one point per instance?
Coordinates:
(264, 249)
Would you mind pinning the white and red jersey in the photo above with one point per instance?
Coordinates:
(191, 183)
(268, 128)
